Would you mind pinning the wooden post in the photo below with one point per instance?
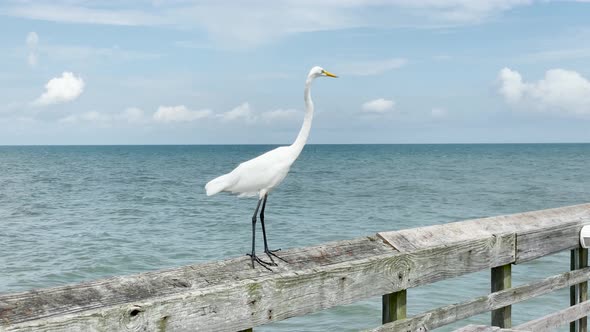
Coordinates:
(579, 292)
(502, 279)
(394, 306)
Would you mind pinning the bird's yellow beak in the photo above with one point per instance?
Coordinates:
(327, 73)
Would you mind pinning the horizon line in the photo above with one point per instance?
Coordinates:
(281, 144)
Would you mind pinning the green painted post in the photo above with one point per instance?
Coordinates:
(394, 306)
(579, 292)
(502, 279)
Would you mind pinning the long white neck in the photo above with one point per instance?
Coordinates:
(301, 139)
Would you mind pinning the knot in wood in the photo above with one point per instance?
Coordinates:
(134, 311)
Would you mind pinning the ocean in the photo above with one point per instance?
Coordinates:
(75, 213)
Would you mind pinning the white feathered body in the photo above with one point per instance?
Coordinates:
(265, 172)
(255, 176)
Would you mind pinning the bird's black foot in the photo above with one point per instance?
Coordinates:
(264, 264)
(271, 253)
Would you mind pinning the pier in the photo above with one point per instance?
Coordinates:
(229, 295)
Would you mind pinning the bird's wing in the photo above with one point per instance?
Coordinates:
(219, 184)
(263, 172)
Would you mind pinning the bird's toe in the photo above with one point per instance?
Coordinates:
(256, 259)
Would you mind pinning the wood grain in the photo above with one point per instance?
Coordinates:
(482, 328)
(394, 306)
(579, 292)
(438, 317)
(501, 279)
(230, 296)
(556, 319)
(539, 233)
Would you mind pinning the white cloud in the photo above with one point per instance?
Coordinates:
(462, 11)
(32, 42)
(133, 115)
(557, 55)
(32, 39)
(69, 119)
(61, 89)
(92, 116)
(438, 112)
(244, 113)
(559, 91)
(180, 114)
(511, 85)
(241, 112)
(66, 12)
(32, 59)
(82, 54)
(268, 20)
(86, 53)
(367, 68)
(279, 115)
(378, 106)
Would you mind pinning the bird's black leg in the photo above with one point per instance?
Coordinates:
(253, 256)
(269, 253)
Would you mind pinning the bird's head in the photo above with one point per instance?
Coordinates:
(319, 71)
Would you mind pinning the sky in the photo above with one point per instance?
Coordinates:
(232, 72)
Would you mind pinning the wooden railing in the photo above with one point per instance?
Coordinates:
(229, 295)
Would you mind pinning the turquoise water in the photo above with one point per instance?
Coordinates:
(83, 212)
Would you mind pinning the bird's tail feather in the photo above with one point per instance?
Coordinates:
(218, 184)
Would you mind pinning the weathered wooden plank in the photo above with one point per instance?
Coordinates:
(394, 306)
(478, 328)
(544, 241)
(556, 319)
(71, 299)
(436, 318)
(539, 233)
(579, 292)
(483, 328)
(229, 295)
(501, 280)
(583, 290)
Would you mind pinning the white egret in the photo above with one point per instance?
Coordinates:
(259, 176)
